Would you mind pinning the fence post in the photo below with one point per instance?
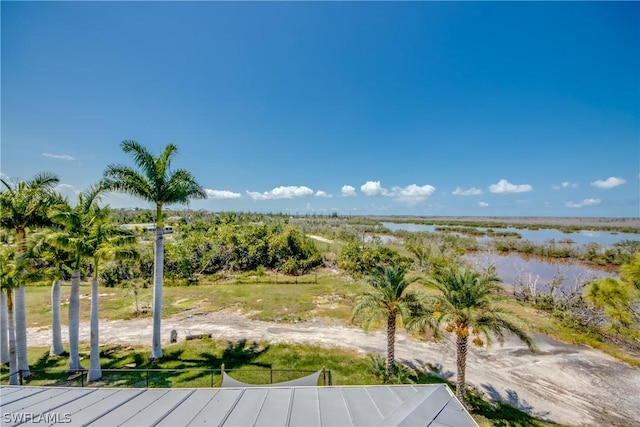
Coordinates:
(271, 373)
(212, 378)
(324, 376)
(147, 371)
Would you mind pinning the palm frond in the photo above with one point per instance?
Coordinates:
(126, 180)
(141, 157)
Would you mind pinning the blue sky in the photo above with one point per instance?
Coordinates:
(418, 108)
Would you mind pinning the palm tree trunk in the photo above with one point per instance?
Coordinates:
(156, 350)
(391, 342)
(20, 310)
(4, 335)
(11, 330)
(74, 322)
(21, 332)
(95, 371)
(56, 334)
(461, 355)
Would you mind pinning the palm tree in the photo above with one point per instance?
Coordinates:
(60, 260)
(75, 237)
(23, 206)
(4, 337)
(108, 242)
(154, 182)
(13, 273)
(387, 299)
(466, 303)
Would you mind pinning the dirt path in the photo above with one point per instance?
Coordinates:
(564, 383)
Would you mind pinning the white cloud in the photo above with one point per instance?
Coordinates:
(321, 193)
(483, 204)
(288, 192)
(413, 193)
(473, 191)
(221, 194)
(585, 202)
(608, 183)
(348, 191)
(67, 190)
(373, 188)
(59, 156)
(563, 185)
(504, 186)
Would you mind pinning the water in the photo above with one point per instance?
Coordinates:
(517, 269)
(602, 238)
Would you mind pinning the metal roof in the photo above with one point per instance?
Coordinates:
(401, 405)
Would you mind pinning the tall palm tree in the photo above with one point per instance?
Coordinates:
(108, 242)
(466, 303)
(75, 236)
(23, 206)
(59, 260)
(4, 334)
(388, 299)
(13, 273)
(154, 182)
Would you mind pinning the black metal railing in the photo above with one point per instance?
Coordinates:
(162, 377)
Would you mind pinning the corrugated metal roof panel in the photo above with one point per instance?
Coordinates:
(305, 410)
(275, 410)
(421, 409)
(30, 402)
(108, 403)
(190, 408)
(71, 407)
(333, 408)
(128, 408)
(453, 415)
(157, 409)
(364, 411)
(218, 408)
(387, 398)
(247, 408)
(51, 403)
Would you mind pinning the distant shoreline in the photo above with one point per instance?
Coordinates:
(523, 220)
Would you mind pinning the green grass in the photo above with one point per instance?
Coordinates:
(196, 364)
(264, 298)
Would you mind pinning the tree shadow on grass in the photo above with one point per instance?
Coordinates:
(207, 365)
(123, 366)
(504, 411)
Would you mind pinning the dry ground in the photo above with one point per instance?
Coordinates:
(564, 383)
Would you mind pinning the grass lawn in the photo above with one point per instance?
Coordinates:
(196, 364)
(282, 298)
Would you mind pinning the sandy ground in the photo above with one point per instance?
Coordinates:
(319, 238)
(564, 383)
